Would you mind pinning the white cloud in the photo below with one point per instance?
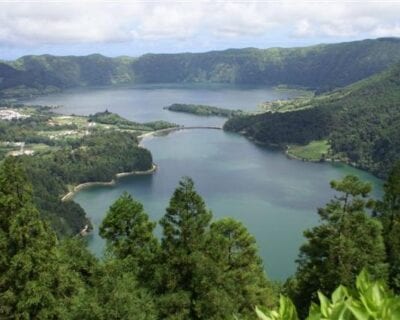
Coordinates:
(166, 21)
(385, 31)
(303, 28)
(37, 23)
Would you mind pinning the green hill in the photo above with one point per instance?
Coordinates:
(360, 121)
(321, 67)
(40, 74)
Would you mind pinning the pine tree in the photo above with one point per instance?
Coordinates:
(235, 252)
(129, 235)
(207, 272)
(388, 211)
(183, 257)
(75, 255)
(15, 191)
(115, 295)
(337, 250)
(33, 282)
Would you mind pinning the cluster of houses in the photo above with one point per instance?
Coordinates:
(21, 151)
(9, 114)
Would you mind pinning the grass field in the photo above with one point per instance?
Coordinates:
(314, 151)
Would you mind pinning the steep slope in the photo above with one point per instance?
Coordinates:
(361, 121)
(46, 71)
(321, 67)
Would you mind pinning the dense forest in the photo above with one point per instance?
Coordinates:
(69, 151)
(97, 157)
(321, 67)
(360, 121)
(107, 117)
(200, 268)
(202, 110)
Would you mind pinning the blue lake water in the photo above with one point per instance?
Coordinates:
(144, 103)
(275, 197)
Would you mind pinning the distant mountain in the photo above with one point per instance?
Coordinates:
(46, 72)
(320, 67)
(361, 122)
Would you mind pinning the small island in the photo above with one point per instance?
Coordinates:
(203, 110)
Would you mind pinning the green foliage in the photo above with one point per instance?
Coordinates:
(33, 282)
(314, 151)
(42, 279)
(323, 67)
(388, 211)
(37, 74)
(371, 300)
(347, 241)
(280, 129)
(90, 154)
(202, 270)
(186, 219)
(202, 110)
(243, 272)
(129, 235)
(116, 295)
(107, 117)
(182, 257)
(97, 157)
(128, 230)
(361, 123)
(287, 311)
(207, 271)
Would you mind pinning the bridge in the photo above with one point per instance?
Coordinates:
(151, 133)
(200, 127)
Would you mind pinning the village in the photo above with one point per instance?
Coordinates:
(10, 114)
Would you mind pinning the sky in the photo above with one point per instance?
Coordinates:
(133, 28)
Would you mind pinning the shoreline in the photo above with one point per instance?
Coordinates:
(294, 157)
(119, 175)
(155, 132)
(286, 151)
(113, 182)
(168, 130)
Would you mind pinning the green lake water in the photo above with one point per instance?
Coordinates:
(275, 197)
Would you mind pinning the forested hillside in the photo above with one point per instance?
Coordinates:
(200, 268)
(142, 277)
(321, 67)
(46, 73)
(97, 157)
(60, 152)
(361, 122)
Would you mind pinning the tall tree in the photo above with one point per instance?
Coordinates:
(207, 272)
(129, 235)
(389, 213)
(183, 260)
(336, 251)
(235, 252)
(15, 191)
(115, 295)
(33, 282)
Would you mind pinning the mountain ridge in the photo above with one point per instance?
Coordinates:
(321, 67)
(361, 122)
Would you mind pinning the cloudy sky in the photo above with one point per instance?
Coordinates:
(136, 27)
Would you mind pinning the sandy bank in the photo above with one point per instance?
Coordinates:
(86, 185)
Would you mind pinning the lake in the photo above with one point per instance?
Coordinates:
(275, 197)
(144, 103)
